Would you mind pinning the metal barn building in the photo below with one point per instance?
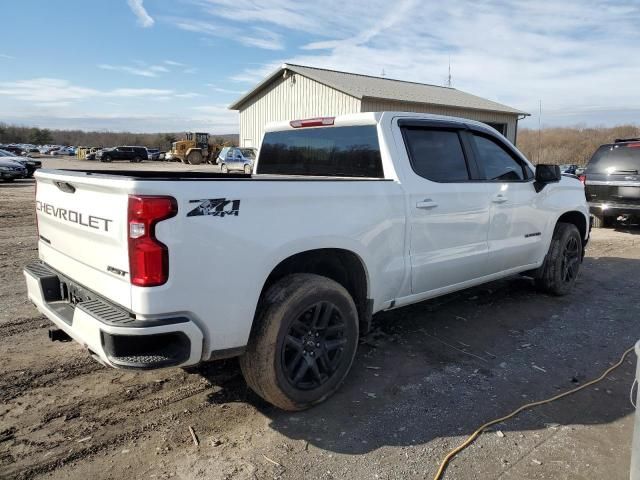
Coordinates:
(296, 91)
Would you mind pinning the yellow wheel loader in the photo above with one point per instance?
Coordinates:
(194, 149)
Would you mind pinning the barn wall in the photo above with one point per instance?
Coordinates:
(379, 105)
(287, 99)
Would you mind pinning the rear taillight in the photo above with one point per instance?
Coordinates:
(148, 258)
(582, 178)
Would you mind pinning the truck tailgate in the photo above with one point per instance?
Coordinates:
(82, 225)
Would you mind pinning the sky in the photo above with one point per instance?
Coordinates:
(175, 65)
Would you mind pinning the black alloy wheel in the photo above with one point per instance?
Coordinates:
(571, 260)
(314, 346)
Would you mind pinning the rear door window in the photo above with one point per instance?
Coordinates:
(615, 159)
(436, 155)
(326, 151)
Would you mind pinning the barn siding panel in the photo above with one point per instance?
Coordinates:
(285, 100)
(379, 105)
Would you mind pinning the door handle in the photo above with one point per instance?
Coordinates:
(427, 203)
(499, 198)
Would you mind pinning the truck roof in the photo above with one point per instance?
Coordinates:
(372, 118)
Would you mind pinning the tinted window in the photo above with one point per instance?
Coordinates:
(498, 164)
(436, 155)
(248, 153)
(612, 159)
(328, 151)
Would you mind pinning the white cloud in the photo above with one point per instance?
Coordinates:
(215, 88)
(142, 72)
(144, 69)
(253, 36)
(6, 57)
(144, 19)
(55, 90)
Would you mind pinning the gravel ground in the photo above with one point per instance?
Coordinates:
(424, 378)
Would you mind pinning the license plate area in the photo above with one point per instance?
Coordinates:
(73, 293)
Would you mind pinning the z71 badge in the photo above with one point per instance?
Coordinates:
(217, 207)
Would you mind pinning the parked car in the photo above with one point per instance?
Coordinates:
(568, 168)
(236, 158)
(612, 182)
(344, 217)
(222, 155)
(14, 149)
(10, 170)
(62, 151)
(153, 153)
(29, 164)
(91, 155)
(133, 154)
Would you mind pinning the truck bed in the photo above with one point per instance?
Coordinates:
(163, 175)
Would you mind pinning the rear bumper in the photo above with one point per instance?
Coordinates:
(111, 334)
(613, 209)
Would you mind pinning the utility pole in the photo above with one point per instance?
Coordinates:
(449, 76)
(539, 130)
(383, 74)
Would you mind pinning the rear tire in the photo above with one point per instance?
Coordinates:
(561, 265)
(194, 158)
(247, 169)
(136, 160)
(224, 168)
(303, 342)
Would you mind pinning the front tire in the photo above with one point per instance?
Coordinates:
(303, 342)
(224, 168)
(561, 265)
(247, 169)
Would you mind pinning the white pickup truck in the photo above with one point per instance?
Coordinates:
(344, 217)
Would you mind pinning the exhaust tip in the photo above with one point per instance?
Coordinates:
(57, 335)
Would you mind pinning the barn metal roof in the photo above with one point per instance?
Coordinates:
(365, 86)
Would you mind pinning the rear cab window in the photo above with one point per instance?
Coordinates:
(349, 151)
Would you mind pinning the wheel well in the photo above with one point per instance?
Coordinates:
(343, 266)
(578, 220)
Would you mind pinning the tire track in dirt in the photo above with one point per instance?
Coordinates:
(22, 325)
(138, 420)
(15, 383)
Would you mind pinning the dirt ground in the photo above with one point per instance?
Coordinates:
(423, 379)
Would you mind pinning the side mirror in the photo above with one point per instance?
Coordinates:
(546, 174)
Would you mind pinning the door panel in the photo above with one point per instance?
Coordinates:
(449, 238)
(447, 212)
(515, 234)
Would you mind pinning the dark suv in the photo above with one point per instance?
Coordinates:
(612, 182)
(133, 154)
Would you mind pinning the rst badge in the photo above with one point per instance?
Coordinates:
(217, 207)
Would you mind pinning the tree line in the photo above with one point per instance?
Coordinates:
(573, 145)
(44, 136)
(549, 145)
